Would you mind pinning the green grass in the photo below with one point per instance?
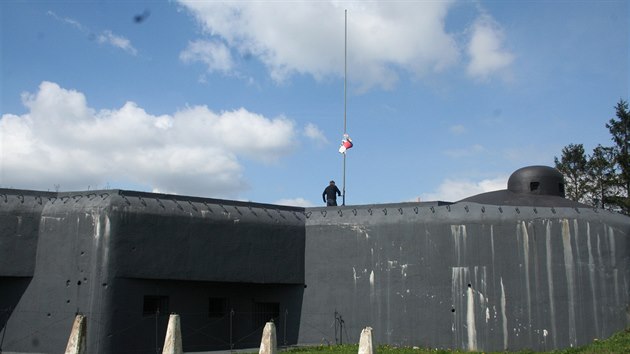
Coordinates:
(618, 343)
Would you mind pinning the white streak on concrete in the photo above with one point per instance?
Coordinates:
(591, 275)
(576, 242)
(492, 243)
(504, 317)
(525, 235)
(570, 274)
(97, 227)
(611, 240)
(459, 238)
(552, 306)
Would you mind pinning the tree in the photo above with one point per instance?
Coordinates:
(619, 128)
(602, 177)
(573, 166)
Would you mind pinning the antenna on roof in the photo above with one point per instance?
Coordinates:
(345, 75)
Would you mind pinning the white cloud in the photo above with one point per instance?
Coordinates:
(214, 54)
(299, 202)
(107, 37)
(74, 23)
(487, 55)
(384, 38)
(313, 132)
(454, 190)
(194, 151)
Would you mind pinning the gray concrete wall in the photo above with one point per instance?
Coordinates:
(466, 276)
(462, 275)
(101, 253)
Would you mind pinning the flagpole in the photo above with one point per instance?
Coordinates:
(345, 74)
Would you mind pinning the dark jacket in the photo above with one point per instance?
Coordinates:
(331, 192)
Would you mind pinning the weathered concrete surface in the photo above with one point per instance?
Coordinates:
(77, 341)
(464, 275)
(268, 343)
(103, 253)
(467, 276)
(173, 339)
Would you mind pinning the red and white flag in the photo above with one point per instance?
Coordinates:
(346, 144)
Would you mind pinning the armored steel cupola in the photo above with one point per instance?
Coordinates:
(537, 180)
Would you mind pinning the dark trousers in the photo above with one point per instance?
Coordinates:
(331, 202)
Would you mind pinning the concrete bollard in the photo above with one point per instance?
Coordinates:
(366, 344)
(173, 339)
(77, 340)
(268, 342)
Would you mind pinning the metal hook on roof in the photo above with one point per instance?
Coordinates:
(280, 213)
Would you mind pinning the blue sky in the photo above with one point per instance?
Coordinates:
(245, 100)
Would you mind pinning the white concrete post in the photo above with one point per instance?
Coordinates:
(268, 343)
(77, 340)
(173, 339)
(366, 344)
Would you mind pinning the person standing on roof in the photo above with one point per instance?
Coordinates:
(330, 194)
